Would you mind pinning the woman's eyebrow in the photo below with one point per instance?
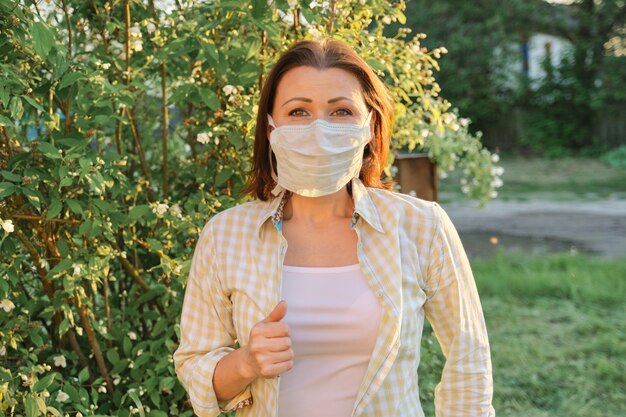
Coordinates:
(308, 100)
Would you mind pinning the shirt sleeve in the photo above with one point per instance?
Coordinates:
(206, 333)
(455, 313)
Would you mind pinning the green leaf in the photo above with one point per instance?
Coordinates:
(223, 175)
(83, 375)
(31, 407)
(138, 212)
(44, 382)
(6, 189)
(75, 206)
(211, 50)
(210, 98)
(33, 103)
(152, 293)
(43, 40)
(65, 182)
(154, 244)
(65, 324)
(54, 209)
(70, 79)
(113, 356)
(137, 401)
(62, 266)
(16, 108)
(33, 196)
(127, 345)
(11, 176)
(5, 121)
(49, 150)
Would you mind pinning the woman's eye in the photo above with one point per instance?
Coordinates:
(292, 113)
(346, 112)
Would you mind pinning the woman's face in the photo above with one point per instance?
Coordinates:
(305, 94)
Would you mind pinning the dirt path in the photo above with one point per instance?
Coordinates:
(593, 226)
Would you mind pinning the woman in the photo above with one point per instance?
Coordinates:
(325, 279)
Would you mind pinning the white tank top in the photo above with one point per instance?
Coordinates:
(333, 316)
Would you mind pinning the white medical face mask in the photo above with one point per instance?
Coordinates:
(319, 158)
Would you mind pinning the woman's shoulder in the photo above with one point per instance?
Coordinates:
(403, 203)
(241, 215)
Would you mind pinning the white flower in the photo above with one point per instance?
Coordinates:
(493, 194)
(106, 66)
(495, 157)
(497, 183)
(76, 268)
(386, 20)
(79, 414)
(151, 27)
(497, 171)
(465, 189)
(204, 137)
(44, 264)
(3, 350)
(139, 352)
(160, 208)
(116, 380)
(132, 335)
(292, 3)
(59, 360)
(229, 90)
(61, 396)
(443, 175)
(135, 31)
(176, 211)
(102, 388)
(178, 269)
(137, 45)
(79, 330)
(7, 225)
(7, 305)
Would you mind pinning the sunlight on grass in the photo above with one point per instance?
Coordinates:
(559, 179)
(556, 328)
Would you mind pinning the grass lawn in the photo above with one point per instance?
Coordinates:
(557, 329)
(558, 179)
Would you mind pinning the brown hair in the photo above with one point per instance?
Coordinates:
(320, 54)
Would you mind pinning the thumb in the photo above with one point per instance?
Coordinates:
(278, 313)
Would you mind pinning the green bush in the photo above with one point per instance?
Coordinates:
(616, 157)
(123, 129)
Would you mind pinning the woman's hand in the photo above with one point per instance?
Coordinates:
(268, 352)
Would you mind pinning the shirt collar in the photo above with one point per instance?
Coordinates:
(363, 207)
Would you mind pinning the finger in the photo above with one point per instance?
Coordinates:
(278, 344)
(275, 329)
(277, 313)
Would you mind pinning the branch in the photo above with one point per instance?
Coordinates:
(140, 152)
(83, 313)
(69, 26)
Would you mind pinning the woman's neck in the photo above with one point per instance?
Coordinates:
(319, 210)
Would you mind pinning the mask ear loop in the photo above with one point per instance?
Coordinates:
(277, 189)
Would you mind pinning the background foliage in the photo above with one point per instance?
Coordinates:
(123, 128)
(482, 75)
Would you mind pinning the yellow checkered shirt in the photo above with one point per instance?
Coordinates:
(414, 261)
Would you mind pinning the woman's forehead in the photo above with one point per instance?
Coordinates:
(318, 84)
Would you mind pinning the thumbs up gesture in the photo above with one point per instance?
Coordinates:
(268, 352)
